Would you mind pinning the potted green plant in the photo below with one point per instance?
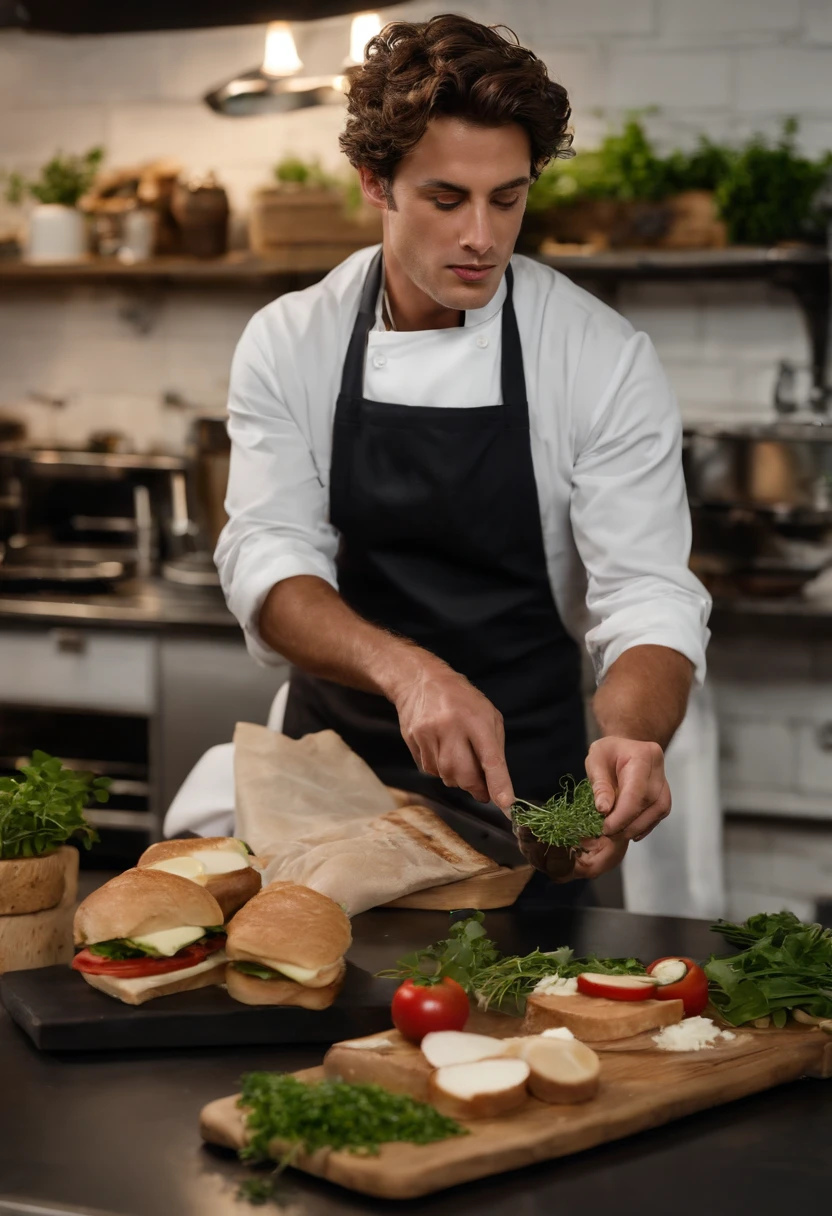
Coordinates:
(41, 811)
(57, 229)
(308, 206)
(773, 194)
(625, 194)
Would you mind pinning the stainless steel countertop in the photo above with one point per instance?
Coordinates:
(157, 604)
(135, 604)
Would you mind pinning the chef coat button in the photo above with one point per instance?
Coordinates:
(379, 360)
(482, 341)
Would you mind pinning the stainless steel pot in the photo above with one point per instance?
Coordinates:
(782, 467)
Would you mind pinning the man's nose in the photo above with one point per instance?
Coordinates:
(477, 234)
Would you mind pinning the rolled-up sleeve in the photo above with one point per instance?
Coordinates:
(276, 502)
(631, 521)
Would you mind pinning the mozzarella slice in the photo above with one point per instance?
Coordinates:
(220, 861)
(301, 975)
(186, 867)
(146, 982)
(168, 942)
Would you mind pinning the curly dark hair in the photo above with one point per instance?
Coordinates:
(449, 66)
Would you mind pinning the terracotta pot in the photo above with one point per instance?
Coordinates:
(31, 884)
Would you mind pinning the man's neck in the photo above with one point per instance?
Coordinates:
(412, 308)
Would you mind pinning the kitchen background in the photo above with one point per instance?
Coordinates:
(143, 356)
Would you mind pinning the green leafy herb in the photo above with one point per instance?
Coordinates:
(786, 965)
(259, 971)
(257, 1190)
(64, 179)
(463, 955)
(567, 819)
(493, 979)
(771, 192)
(119, 949)
(44, 808)
(333, 1114)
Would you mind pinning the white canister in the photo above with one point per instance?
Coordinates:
(56, 234)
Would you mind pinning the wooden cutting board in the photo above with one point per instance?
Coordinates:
(641, 1088)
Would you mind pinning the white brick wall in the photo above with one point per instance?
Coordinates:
(724, 66)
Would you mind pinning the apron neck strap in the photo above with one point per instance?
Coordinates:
(512, 376)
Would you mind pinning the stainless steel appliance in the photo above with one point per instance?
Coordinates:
(761, 503)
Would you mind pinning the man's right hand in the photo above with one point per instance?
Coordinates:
(454, 732)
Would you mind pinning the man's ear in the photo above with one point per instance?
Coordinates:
(376, 192)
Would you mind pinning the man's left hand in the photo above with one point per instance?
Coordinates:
(628, 781)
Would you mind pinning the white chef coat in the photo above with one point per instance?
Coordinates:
(605, 440)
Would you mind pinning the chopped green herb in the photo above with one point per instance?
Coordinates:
(43, 808)
(786, 965)
(333, 1114)
(495, 980)
(566, 820)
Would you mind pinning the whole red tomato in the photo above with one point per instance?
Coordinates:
(420, 1008)
(691, 989)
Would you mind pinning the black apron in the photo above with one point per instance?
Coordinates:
(441, 542)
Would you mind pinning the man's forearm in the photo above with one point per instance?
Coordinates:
(305, 620)
(645, 694)
(452, 730)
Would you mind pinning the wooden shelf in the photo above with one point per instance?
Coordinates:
(245, 268)
(803, 271)
(235, 269)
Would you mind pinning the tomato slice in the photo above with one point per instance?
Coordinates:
(691, 989)
(136, 968)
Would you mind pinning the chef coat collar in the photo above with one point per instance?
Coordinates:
(473, 316)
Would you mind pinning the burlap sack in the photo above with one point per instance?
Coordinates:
(323, 819)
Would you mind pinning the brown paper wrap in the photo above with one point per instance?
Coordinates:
(323, 819)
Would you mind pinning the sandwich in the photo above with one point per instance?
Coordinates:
(286, 947)
(146, 934)
(222, 864)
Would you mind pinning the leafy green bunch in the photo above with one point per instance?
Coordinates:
(44, 807)
(567, 819)
(626, 167)
(294, 171)
(332, 1114)
(771, 192)
(495, 980)
(785, 965)
(64, 179)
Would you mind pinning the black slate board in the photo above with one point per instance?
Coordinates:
(59, 1011)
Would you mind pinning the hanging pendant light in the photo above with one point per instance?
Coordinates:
(275, 87)
(364, 27)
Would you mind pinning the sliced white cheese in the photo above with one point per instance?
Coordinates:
(557, 1032)
(146, 982)
(168, 942)
(221, 861)
(301, 975)
(185, 867)
(554, 985)
(367, 1044)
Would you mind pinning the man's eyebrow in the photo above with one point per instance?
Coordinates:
(435, 183)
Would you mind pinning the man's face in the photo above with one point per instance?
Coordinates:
(459, 198)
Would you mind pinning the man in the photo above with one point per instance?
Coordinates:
(441, 448)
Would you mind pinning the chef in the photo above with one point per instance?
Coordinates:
(450, 466)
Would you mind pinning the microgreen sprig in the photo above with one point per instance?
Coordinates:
(567, 819)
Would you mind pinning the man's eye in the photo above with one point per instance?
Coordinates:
(507, 203)
(446, 204)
